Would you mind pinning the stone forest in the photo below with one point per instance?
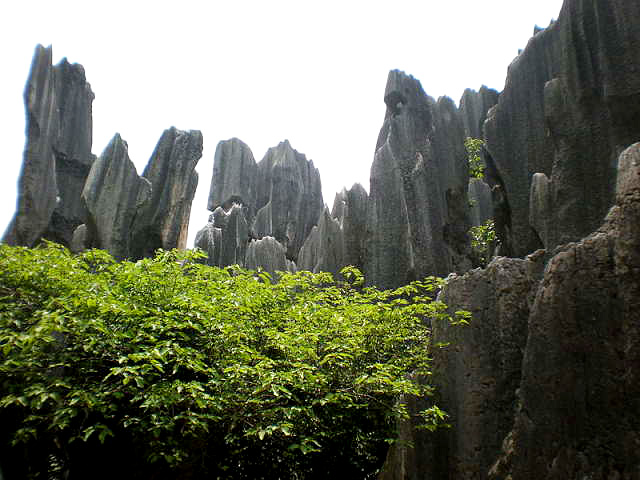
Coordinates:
(544, 381)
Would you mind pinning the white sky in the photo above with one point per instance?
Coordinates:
(262, 71)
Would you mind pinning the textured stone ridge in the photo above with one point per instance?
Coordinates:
(114, 195)
(280, 198)
(570, 105)
(58, 155)
(474, 107)
(289, 197)
(234, 177)
(418, 209)
(579, 414)
(164, 222)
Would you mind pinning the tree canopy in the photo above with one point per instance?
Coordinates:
(167, 368)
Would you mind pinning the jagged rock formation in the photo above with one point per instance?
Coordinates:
(559, 350)
(418, 208)
(477, 375)
(234, 177)
(280, 197)
(570, 105)
(289, 197)
(58, 155)
(350, 208)
(269, 255)
(480, 202)
(474, 107)
(323, 251)
(579, 398)
(132, 216)
(114, 195)
(164, 221)
(338, 239)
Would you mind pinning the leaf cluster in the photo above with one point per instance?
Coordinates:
(181, 370)
(474, 150)
(483, 240)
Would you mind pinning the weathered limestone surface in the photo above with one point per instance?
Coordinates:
(480, 202)
(418, 208)
(323, 251)
(280, 197)
(474, 107)
(571, 103)
(269, 254)
(72, 149)
(209, 240)
(234, 177)
(114, 195)
(477, 375)
(350, 208)
(558, 351)
(164, 221)
(57, 155)
(579, 399)
(289, 197)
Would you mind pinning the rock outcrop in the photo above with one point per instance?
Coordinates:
(280, 197)
(269, 255)
(234, 177)
(418, 208)
(570, 105)
(480, 202)
(476, 375)
(289, 197)
(114, 195)
(474, 107)
(164, 221)
(57, 156)
(578, 412)
(558, 350)
(350, 208)
(323, 251)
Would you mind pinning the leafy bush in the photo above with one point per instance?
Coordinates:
(166, 368)
(483, 240)
(476, 164)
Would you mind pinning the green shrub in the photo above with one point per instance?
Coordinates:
(166, 368)
(476, 164)
(483, 239)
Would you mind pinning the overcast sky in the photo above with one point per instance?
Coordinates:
(262, 71)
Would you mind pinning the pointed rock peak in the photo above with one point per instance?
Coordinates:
(400, 89)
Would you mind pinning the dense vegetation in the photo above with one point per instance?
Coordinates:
(167, 368)
(474, 150)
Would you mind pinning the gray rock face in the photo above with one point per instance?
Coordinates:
(209, 240)
(323, 251)
(269, 254)
(473, 109)
(114, 195)
(557, 351)
(580, 391)
(477, 375)
(72, 150)
(289, 197)
(164, 221)
(234, 177)
(225, 237)
(350, 208)
(570, 105)
(418, 208)
(57, 157)
(280, 197)
(480, 202)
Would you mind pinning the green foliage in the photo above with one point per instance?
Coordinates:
(476, 164)
(483, 238)
(180, 370)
